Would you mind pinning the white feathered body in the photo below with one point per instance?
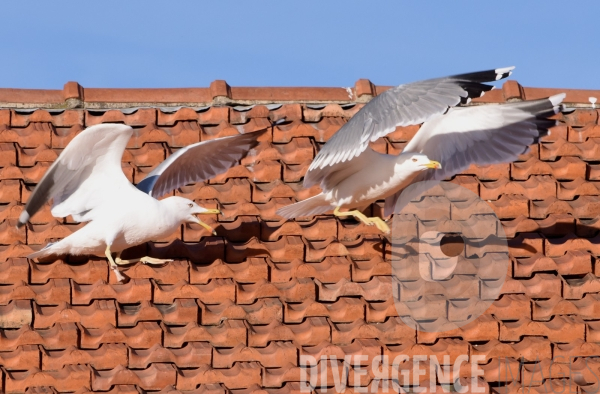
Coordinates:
(359, 182)
(458, 138)
(384, 175)
(127, 218)
(87, 182)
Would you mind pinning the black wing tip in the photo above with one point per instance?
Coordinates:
(474, 83)
(486, 75)
(503, 72)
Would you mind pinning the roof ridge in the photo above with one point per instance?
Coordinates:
(219, 93)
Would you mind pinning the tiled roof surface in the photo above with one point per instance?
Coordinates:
(235, 311)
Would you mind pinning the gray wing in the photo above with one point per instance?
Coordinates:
(486, 134)
(403, 105)
(197, 163)
(86, 170)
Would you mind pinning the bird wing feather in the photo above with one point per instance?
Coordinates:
(86, 171)
(197, 163)
(481, 135)
(403, 105)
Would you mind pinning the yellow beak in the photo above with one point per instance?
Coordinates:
(206, 226)
(212, 211)
(433, 164)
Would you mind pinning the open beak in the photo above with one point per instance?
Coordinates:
(434, 165)
(206, 226)
(211, 211)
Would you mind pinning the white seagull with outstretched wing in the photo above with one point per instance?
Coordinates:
(451, 138)
(87, 182)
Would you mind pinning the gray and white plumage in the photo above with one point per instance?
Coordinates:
(87, 182)
(353, 175)
(486, 134)
(184, 167)
(404, 105)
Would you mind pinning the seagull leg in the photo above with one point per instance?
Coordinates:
(120, 261)
(152, 260)
(145, 260)
(381, 225)
(113, 265)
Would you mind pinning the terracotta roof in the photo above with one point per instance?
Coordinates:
(235, 311)
(74, 95)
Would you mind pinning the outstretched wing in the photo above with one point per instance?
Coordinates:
(197, 163)
(403, 105)
(87, 169)
(486, 134)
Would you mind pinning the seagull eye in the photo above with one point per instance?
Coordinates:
(191, 205)
(415, 160)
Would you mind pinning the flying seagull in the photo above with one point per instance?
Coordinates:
(87, 182)
(451, 138)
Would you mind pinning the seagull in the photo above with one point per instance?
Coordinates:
(87, 182)
(451, 138)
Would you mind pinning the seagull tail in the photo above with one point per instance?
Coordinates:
(53, 248)
(311, 206)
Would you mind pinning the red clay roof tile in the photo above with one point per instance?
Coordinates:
(15, 314)
(565, 168)
(215, 291)
(14, 270)
(10, 191)
(22, 358)
(344, 310)
(583, 207)
(95, 315)
(393, 330)
(308, 333)
(154, 377)
(484, 328)
(556, 247)
(59, 336)
(275, 354)
(69, 378)
(241, 375)
(264, 311)
(280, 273)
(107, 356)
(193, 354)
(135, 290)
(561, 329)
(227, 334)
(31, 136)
(296, 290)
(40, 233)
(251, 270)
(87, 273)
(143, 336)
(583, 134)
(164, 274)
(329, 270)
(54, 291)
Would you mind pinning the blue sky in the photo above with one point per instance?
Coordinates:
(131, 43)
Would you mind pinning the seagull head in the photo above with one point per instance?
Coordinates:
(186, 210)
(422, 162)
